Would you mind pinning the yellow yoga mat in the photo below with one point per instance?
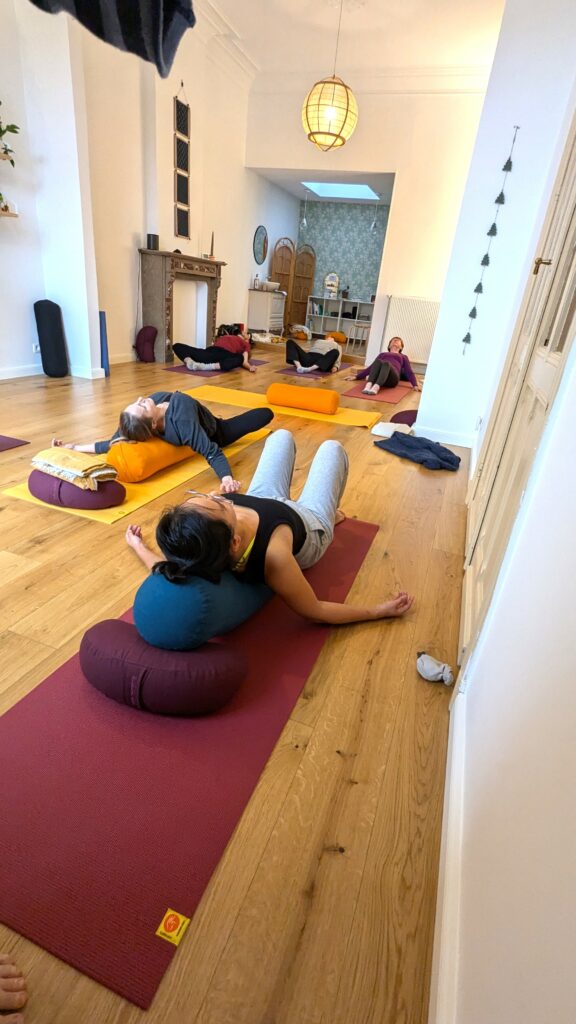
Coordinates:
(144, 492)
(251, 400)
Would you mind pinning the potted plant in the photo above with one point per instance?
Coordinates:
(5, 129)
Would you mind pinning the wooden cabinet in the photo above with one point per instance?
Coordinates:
(266, 311)
(351, 316)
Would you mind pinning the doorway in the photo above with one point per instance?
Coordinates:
(537, 358)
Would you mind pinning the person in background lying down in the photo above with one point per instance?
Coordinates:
(324, 354)
(387, 369)
(264, 536)
(180, 420)
(229, 352)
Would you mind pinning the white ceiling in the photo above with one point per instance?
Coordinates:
(408, 41)
(280, 36)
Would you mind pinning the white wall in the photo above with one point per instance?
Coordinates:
(424, 138)
(21, 272)
(55, 207)
(532, 79)
(131, 147)
(517, 932)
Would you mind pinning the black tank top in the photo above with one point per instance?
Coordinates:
(271, 514)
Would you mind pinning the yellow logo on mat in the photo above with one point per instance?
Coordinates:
(173, 926)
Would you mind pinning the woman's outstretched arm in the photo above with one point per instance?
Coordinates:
(285, 577)
(135, 541)
(88, 448)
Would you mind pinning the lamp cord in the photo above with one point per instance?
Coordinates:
(337, 39)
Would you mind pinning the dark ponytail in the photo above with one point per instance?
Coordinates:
(193, 544)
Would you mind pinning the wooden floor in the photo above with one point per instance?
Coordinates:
(322, 909)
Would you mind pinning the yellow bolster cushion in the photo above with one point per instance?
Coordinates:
(312, 399)
(136, 461)
(338, 336)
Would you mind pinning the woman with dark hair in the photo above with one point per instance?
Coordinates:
(264, 536)
(180, 420)
(229, 352)
(387, 369)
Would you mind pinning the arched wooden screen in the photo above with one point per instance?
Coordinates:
(302, 284)
(283, 269)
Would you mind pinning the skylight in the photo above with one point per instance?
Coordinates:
(340, 190)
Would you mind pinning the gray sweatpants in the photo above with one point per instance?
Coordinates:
(320, 497)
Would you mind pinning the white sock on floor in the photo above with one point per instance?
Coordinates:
(432, 670)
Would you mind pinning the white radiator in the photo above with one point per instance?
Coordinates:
(413, 320)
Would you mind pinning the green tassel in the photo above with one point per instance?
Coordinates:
(479, 289)
(467, 339)
(507, 165)
(493, 231)
(500, 200)
(473, 313)
(485, 261)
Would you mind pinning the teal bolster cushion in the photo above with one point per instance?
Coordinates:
(182, 616)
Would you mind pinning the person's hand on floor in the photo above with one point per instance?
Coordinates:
(229, 486)
(133, 536)
(398, 605)
(353, 377)
(56, 443)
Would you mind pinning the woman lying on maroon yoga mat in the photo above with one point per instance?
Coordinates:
(387, 369)
(13, 994)
(264, 536)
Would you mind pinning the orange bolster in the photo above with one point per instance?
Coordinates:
(141, 459)
(313, 399)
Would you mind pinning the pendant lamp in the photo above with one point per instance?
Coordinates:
(330, 111)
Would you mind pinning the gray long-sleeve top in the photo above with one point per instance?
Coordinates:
(186, 422)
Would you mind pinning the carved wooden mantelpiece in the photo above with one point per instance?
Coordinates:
(159, 271)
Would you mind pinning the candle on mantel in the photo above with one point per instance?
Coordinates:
(212, 247)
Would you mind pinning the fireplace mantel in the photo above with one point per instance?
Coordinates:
(159, 271)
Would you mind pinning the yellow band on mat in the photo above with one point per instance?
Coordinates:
(250, 400)
(144, 492)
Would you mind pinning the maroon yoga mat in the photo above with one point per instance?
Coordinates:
(390, 395)
(10, 442)
(109, 816)
(208, 373)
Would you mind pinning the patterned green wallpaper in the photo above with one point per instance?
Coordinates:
(340, 234)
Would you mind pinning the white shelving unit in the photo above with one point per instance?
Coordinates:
(351, 316)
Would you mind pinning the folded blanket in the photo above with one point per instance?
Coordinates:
(420, 449)
(78, 468)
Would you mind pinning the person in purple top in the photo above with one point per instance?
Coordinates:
(387, 369)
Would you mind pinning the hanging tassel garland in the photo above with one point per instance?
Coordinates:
(491, 233)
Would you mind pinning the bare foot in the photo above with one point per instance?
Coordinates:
(340, 516)
(13, 994)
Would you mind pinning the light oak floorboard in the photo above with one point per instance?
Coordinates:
(322, 908)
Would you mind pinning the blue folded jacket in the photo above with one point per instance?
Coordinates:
(420, 449)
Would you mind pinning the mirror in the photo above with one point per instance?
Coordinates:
(260, 244)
